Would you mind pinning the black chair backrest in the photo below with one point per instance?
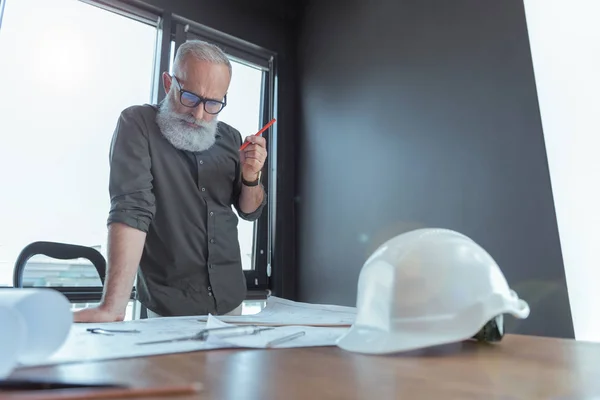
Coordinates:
(61, 251)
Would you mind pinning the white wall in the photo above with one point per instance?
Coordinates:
(565, 46)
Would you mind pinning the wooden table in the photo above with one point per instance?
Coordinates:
(520, 367)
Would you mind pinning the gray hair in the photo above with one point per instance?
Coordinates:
(203, 51)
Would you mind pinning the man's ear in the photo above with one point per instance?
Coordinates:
(167, 80)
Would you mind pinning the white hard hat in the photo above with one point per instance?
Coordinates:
(425, 288)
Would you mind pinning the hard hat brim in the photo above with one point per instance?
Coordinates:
(410, 336)
(373, 341)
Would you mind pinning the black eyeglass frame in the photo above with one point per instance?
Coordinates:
(200, 99)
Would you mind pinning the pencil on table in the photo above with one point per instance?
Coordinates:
(91, 394)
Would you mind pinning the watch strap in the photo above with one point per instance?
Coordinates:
(251, 183)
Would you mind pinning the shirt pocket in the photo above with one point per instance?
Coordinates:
(225, 166)
(221, 177)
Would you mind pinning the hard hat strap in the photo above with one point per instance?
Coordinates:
(492, 331)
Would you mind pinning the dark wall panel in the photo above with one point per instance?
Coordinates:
(424, 114)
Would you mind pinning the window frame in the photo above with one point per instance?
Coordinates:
(244, 52)
(126, 10)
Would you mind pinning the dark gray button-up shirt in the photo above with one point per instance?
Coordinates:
(191, 262)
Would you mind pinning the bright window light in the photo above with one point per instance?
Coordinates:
(69, 69)
(564, 38)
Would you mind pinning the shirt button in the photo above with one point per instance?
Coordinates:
(201, 162)
(210, 266)
(212, 240)
(204, 189)
(212, 213)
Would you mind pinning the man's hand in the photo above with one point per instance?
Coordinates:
(97, 314)
(253, 157)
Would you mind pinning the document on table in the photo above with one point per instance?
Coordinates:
(286, 316)
(280, 311)
(312, 336)
(82, 345)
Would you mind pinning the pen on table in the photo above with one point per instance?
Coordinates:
(264, 128)
(205, 333)
(284, 339)
(110, 332)
(127, 393)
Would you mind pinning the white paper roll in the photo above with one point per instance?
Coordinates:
(12, 339)
(47, 317)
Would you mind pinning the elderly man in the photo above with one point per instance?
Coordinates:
(176, 171)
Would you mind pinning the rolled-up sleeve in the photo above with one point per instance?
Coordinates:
(132, 200)
(253, 216)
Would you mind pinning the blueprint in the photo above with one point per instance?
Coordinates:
(82, 345)
(321, 325)
(311, 336)
(280, 311)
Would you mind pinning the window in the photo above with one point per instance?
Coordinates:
(72, 67)
(250, 106)
(69, 68)
(564, 39)
(243, 113)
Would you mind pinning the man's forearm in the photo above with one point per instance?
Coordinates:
(125, 245)
(251, 198)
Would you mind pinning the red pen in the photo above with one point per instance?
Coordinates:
(264, 128)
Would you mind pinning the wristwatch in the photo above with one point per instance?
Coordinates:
(254, 182)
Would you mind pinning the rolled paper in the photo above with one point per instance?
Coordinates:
(47, 319)
(12, 339)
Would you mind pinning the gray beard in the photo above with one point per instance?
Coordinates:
(182, 136)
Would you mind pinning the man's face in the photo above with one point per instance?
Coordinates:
(192, 128)
(204, 79)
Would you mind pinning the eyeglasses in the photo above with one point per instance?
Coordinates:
(192, 100)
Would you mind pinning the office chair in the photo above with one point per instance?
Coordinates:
(64, 251)
(61, 251)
